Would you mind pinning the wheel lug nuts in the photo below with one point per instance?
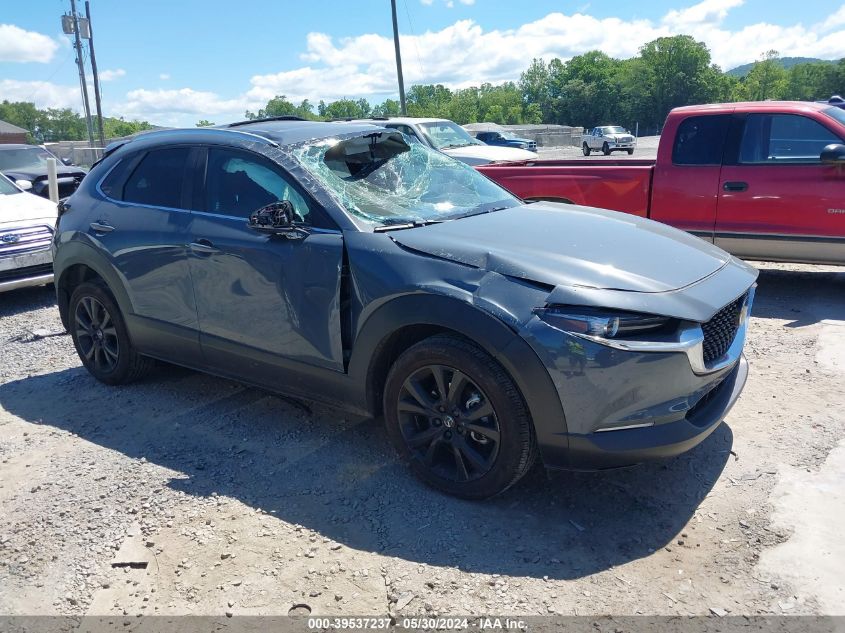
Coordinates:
(437, 422)
(448, 435)
(441, 408)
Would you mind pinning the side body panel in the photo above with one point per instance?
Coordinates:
(616, 185)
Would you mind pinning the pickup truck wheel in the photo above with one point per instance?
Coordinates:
(630, 152)
(457, 419)
(605, 149)
(101, 339)
(586, 149)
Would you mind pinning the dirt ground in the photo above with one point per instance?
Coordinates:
(188, 494)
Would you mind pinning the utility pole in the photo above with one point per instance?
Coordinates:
(81, 65)
(96, 76)
(398, 60)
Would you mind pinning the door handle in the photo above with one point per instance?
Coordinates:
(735, 186)
(99, 227)
(204, 247)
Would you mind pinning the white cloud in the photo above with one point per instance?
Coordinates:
(111, 75)
(460, 55)
(18, 45)
(43, 93)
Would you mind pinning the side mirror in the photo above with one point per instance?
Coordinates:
(26, 185)
(67, 162)
(277, 218)
(833, 154)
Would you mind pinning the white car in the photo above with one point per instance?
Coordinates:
(27, 223)
(607, 139)
(450, 138)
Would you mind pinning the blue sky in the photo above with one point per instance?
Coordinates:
(176, 62)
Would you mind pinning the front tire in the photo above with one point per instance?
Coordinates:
(605, 149)
(630, 152)
(585, 149)
(457, 419)
(99, 334)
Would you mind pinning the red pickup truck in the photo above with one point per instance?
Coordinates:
(762, 180)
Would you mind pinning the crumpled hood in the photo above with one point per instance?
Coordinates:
(566, 245)
(23, 209)
(483, 154)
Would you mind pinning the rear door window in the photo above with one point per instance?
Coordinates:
(158, 179)
(700, 140)
(783, 138)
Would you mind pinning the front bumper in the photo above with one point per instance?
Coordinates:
(26, 269)
(599, 450)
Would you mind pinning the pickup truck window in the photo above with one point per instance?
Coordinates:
(700, 140)
(783, 138)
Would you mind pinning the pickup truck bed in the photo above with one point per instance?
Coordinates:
(619, 185)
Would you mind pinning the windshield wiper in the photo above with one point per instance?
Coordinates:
(473, 213)
(454, 145)
(404, 225)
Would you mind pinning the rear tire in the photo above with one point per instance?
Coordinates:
(457, 419)
(586, 149)
(100, 336)
(605, 149)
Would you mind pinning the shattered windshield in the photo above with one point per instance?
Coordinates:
(383, 178)
(446, 134)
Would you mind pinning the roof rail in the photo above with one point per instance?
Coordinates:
(283, 117)
(359, 118)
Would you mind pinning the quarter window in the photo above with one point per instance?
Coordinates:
(783, 138)
(238, 183)
(700, 140)
(157, 180)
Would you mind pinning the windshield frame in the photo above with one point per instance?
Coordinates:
(322, 191)
(836, 113)
(612, 129)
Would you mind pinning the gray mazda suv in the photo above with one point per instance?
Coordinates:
(342, 263)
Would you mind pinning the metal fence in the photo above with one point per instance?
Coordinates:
(79, 153)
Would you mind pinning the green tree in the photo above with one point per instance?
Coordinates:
(767, 79)
(389, 107)
(205, 123)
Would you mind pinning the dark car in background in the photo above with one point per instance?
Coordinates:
(343, 263)
(26, 166)
(506, 139)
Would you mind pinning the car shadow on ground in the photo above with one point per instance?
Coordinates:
(26, 299)
(339, 477)
(800, 297)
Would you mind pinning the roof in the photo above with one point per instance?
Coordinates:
(756, 106)
(401, 119)
(8, 128)
(17, 146)
(277, 132)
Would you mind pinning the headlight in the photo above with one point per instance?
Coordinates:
(604, 323)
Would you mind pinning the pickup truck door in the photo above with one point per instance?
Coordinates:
(685, 185)
(267, 304)
(777, 201)
(595, 139)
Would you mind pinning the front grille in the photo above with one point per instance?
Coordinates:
(720, 331)
(24, 240)
(26, 272)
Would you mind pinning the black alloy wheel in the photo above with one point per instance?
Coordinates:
(448, 423)
(96, 335)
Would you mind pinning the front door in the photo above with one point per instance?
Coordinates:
(778, 201)
(265, 302)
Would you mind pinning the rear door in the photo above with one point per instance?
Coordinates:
(685, 187)
(265, 302)
(777, 201)
(143, 230)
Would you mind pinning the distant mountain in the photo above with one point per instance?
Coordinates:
(786, 62)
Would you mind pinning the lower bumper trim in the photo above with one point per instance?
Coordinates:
(14, 284)
(626, 447)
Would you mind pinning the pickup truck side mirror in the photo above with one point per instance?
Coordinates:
(277, 218)
(67, 162)
(833, 154)
(26, 185)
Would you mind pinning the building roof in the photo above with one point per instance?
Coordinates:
(8, 128)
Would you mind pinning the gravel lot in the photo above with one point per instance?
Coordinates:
(186, 493)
